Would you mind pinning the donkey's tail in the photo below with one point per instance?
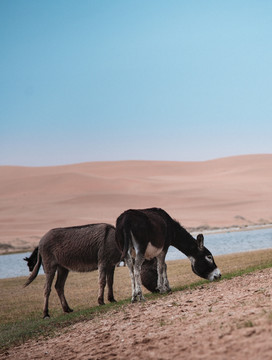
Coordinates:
(31, 261)
(127, 241)
(35, 270)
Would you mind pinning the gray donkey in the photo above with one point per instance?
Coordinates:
(80, 248)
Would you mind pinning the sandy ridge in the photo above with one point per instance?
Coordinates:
(235, 191)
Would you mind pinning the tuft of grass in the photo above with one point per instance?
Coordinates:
(21, 308)
(162, 322)
(245, 324)
(269, 317)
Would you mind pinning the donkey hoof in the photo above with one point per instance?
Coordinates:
(68, 310)
(161, 290)
(46, 317)
(112, 300)
(101, 302)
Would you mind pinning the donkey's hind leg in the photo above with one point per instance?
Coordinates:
(59, 286)
(137, 274)
(49, 277)
(130, 264)
(110, 275)
(134, 266)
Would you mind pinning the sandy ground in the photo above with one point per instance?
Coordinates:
(235, 191)
(229, 319)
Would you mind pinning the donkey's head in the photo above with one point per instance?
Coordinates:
(203, 263)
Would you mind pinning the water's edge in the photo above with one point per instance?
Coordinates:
(219, 243)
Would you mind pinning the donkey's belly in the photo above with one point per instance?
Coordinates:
(81, 267)
(152, 251)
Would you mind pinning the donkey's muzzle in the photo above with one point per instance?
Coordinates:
(214, 275)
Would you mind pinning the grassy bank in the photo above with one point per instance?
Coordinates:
(21, 308)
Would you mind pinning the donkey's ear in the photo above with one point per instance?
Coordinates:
(200, 241)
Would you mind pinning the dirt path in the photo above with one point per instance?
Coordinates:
(230, 319)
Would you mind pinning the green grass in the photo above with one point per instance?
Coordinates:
(21, 309)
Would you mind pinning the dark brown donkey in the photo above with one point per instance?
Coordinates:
(147, 234)
(80, 248)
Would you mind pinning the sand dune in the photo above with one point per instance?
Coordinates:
(217, 193)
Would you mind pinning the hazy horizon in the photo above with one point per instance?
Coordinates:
(136, 160)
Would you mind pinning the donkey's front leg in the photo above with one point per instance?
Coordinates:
(165, 279)
(102, 271)
(110, 275)
(162, 284)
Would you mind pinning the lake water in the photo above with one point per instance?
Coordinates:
(224, 243)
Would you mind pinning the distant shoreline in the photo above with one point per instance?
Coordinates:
(234, 228)
(206, 230)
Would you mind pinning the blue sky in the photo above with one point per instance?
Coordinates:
(116, 80)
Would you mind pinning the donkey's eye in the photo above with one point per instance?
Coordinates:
(209, 258)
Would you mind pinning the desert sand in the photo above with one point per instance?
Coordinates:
(229, 319)
(234, 191)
